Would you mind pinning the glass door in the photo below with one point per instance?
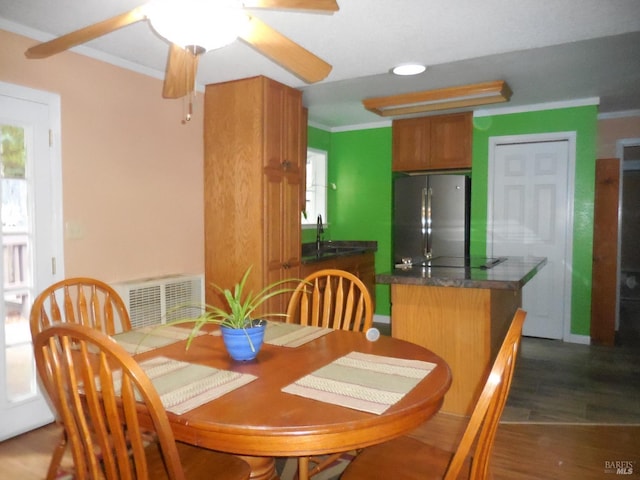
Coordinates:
(29, 247)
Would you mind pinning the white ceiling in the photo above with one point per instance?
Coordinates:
(547, 50)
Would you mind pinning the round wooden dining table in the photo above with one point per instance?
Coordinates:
(259, 421)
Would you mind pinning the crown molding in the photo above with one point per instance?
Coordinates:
(622, 114)
(583, 102)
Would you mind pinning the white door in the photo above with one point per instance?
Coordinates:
(530, 215)
(31, 244)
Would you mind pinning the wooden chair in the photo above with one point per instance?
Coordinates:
(99, 390)
(81, 300)
(331, 298)
(335, 299)
(407, 458)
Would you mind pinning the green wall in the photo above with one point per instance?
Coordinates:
(360, 207)
(583, 121)
(318, 138)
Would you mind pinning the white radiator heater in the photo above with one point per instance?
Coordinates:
(152, 301)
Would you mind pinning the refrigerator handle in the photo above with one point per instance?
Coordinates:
(426, 222)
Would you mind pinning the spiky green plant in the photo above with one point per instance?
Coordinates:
(240, 307)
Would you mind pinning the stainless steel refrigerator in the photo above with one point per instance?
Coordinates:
(430, 217)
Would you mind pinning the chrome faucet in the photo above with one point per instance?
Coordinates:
(319, 232)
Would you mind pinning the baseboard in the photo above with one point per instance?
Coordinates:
(581, 339)
(385, 319)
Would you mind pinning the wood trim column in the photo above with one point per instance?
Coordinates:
(605, 252)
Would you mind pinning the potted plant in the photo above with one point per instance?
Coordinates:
(241, 332)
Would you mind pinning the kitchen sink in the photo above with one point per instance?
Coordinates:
(337, 250)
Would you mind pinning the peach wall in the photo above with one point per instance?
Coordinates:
(613, 129)
(132, 173)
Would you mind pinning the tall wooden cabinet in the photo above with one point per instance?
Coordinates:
(440, 142)
(253, 171)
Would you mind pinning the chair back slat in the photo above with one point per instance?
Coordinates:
(54, 310)
(347, 309)
(304, 307)
(70, 307)
(92, 309)
(327, 303)
(107, 312)
(334, 290)
(358, 316)
(99, 387)
(331, 298)
(316, 317)
(135, 438)
(100, 442)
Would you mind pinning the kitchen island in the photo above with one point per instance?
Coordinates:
(461, 310)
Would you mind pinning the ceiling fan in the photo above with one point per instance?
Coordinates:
(225, 19)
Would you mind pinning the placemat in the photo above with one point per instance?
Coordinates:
(292, 334)
(370, 383)
(183, 386)
(148, 338)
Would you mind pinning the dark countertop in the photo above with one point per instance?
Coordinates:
(510, 274)
(335, 248)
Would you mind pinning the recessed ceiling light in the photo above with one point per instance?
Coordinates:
(408, 69)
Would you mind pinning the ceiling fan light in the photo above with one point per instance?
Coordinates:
(408, 69)
(202, 23)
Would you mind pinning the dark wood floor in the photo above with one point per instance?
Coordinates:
(628, 334)
(571, 383)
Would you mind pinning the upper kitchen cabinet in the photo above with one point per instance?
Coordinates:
(283, 136)
(253, 134)
(432, 143)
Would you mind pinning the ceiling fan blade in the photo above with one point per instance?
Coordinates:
(311, 5)
(285, 52)
(85, 34)
(180, 77)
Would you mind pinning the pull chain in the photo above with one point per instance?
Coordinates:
(187, 107)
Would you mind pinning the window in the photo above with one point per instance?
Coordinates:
(316, 188)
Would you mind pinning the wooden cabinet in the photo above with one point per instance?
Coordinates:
(253, 130)
(283, 109)
(432, 143)
(362, 265)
